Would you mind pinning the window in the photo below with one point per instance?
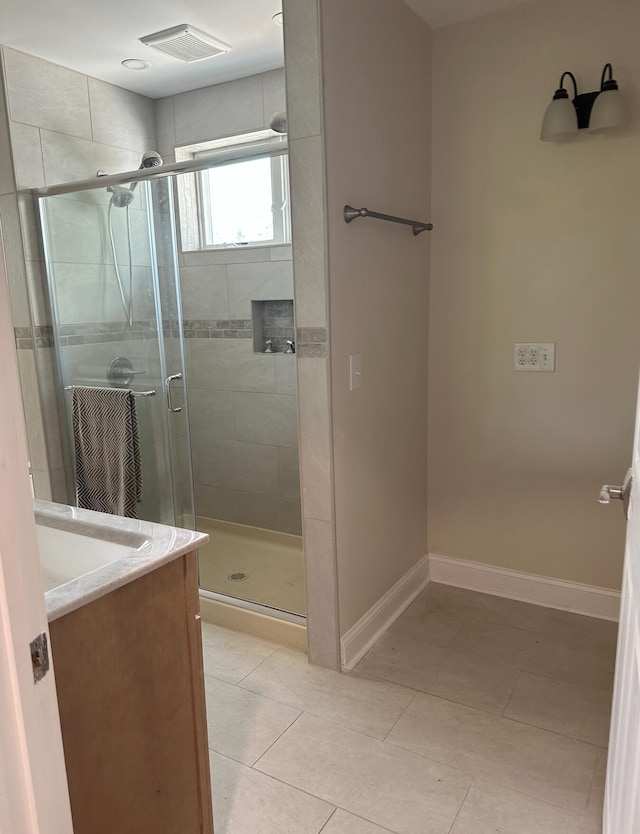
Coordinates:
(243, 200)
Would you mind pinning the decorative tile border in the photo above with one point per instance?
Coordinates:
(312, 342)
(23, 337)
(216, 329)
(29, 337)
(93, 333)
(44, 335)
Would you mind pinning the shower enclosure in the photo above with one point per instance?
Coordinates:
(113, 270)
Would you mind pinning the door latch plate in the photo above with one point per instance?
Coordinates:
(39, 656)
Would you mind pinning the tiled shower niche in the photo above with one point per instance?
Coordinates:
(272, 320)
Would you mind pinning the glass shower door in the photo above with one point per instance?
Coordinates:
(114, 293)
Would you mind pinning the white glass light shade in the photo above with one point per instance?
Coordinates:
(609, 110)
(560, 121)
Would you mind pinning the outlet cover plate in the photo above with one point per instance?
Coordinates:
(534, 356)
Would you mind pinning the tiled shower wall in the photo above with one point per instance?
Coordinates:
(57, 125)
(243, 404)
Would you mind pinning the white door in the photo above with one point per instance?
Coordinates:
(622, 797)
(33, 785)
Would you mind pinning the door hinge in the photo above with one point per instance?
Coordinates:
(39, 656)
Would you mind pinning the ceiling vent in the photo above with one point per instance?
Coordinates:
(186, 43)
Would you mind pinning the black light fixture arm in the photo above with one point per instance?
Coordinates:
(608, 83)
(562, 88)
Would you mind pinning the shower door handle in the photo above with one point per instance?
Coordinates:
(167, 392)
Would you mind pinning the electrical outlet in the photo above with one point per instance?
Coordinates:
(534, 357)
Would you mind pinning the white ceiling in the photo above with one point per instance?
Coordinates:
(94, 36)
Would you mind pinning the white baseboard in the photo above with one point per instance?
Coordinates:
(540, 590)
(369, 628)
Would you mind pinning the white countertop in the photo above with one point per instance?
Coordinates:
(154, 545)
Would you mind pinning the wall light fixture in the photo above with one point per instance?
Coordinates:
(603, 109)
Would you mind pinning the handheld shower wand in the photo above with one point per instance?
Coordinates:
(121, 196)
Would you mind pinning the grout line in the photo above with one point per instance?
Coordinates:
(371, 676)
(395, 723)
(262, 662)
(237, 683)
(327, 821)
(487, 777)
(356, 816)
(466, 796)
(551, 732)
(262, 755)
(90, 108)
(563, 682)
(276, 740)
(312, 795)
(591, 784)
(309, 710)
(579, 815)
(513, 689)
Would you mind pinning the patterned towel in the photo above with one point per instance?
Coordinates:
(105, 430)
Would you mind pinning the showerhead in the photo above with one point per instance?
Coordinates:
(120, 196)
(151, 159)
(278, 122)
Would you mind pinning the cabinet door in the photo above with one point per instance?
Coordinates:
(131, 695)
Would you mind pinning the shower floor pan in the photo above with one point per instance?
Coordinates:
(251, 564)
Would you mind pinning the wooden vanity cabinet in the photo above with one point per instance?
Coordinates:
(130, 684)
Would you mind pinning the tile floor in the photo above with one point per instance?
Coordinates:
(472, 715)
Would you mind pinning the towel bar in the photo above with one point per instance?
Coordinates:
(107, 388)
(350, 214)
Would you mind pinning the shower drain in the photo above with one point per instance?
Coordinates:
(238, 577)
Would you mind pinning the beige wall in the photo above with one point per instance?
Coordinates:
(376, 58)
(533, 242)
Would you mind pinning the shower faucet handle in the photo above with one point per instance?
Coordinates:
(120, 369)
(291, 346)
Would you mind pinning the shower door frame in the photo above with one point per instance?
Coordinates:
(159, 303)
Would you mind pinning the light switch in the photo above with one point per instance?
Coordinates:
(355, 371)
